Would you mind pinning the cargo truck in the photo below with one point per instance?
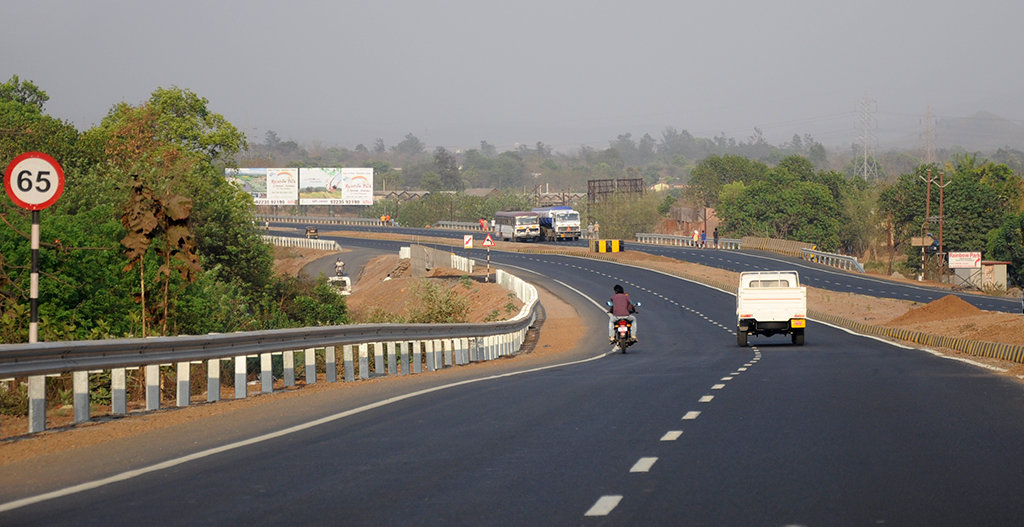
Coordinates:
(558, 223)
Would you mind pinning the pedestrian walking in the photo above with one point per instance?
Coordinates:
(715, 235)
(703, 239)
(590, 231)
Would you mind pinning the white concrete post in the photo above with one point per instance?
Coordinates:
(153, 387)
(431, 363)
(289, 369)
(266, 373)
(350, 372)
(364, 361)
(310, 366)
(447, 351)
(80, 385)
(405, 356)
(212, 380)
(378, 358)
(36, 403)
(330, 365)
(392, 365)
(417, 365)
(184, 384)
(241, 390)
(118, 394)
(457, 351)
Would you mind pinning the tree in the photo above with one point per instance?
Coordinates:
(410, 146)
(447, 169)
(1007, 243)
(378, 146)
(24, 93)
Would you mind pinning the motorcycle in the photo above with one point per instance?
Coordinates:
(622, 330)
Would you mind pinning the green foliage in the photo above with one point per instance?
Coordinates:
(437, 305)
(1007, 243)
(321, 306)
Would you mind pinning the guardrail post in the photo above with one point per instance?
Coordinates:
(289, 369)
(153, 387)
(417, 357)
(474, 350)
(36, 403)
(405, 356)
(447, 345)
(378, 358)
(266, 373)
(364, 361)
(184, 386)
(330, 365)
(212, 380)
(241, 390)
(346, 353)
(310, 366)
(392, 365)
(118, 394)
(431, 361)
(80, 384)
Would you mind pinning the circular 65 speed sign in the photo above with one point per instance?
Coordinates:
(34, 181)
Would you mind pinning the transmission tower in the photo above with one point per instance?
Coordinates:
(866, 109)
(929, 136)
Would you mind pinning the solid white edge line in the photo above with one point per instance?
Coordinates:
(124, 476)
(604, 505)
(644, 464)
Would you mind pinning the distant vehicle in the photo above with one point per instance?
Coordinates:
(340, 284)
(312, 232)
(770, 302)
(558, 223)
(517, 225)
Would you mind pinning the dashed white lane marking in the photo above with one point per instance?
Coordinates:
(706, 399)
(718, 387)
(691, 415)
(671, 435)
(741, 369)
(644, 464)
(726, 378)
(604, 506)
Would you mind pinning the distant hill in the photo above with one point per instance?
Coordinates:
(982, 131)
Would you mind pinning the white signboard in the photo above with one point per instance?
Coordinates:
(467, 241)
(964, 260)
(336, 186)
(282, 186)
(267, 186)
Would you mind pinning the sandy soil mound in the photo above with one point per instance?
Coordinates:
(373, 293)
(945, 308)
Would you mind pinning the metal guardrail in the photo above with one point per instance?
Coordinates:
(685, 241)
(407, 345)
(840, 261)
(323, 220)
(287, 241)
(458, 225)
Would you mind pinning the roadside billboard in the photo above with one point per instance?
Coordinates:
(305, 186)
(336, 186)
(965, 260)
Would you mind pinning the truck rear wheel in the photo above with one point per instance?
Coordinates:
(798, 338)
(741, 338)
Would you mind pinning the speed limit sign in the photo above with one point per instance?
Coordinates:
(34, 180)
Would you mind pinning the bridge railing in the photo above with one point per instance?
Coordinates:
(321, 220)
(686, 241)
(398, 349)
(840, 261)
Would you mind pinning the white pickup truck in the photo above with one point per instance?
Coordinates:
(770, 302)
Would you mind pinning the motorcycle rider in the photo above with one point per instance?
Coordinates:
(339, 267)
(621, 307)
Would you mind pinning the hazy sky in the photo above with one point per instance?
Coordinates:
(566, 73)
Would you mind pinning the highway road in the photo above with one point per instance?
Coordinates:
(686, 429)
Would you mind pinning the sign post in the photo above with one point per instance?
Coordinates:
(34, 181)
(488, 242)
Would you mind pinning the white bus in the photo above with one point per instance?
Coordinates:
(517, 225)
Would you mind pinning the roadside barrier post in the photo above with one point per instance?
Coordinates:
(330, 365)
(153, 387)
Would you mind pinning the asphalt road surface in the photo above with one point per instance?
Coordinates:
(686, 429)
